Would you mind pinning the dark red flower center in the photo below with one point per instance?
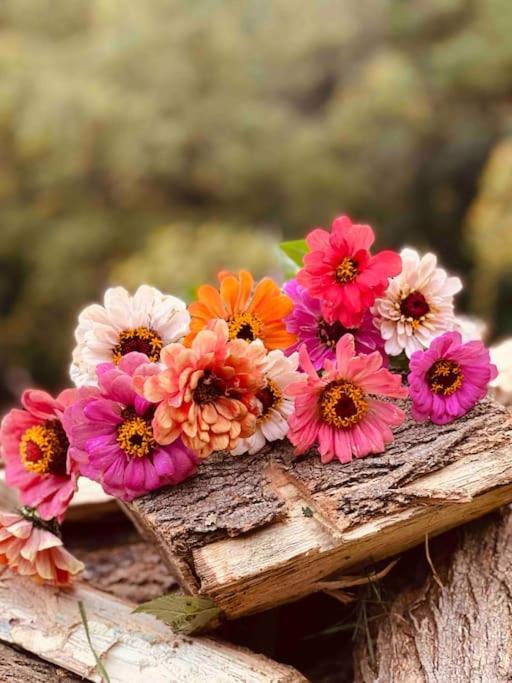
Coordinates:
(343, 404)
(330, 333)
(445, 377)
(209, 388)
(141, 339)
(44, 448)
(270, 397)
(414, 306)
(135, 434)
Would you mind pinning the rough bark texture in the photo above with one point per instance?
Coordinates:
(245, 524)
(21, 667)
(458, 633)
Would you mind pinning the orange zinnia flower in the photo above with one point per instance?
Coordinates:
(250, 312)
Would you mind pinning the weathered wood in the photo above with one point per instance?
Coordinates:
(133, 647)
(455, 629)
(89, 502)
(257, 531)
(20, 667)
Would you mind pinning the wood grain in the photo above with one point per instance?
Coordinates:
(258, 531)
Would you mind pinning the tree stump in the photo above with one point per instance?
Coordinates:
(253, 532)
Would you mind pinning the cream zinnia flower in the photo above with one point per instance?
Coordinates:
(279, 371)
(144, 322)
(417, 306)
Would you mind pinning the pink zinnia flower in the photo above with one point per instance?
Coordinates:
(338, 410)
(207, 393)
(112, 438)
(320, 336)
(29, 548)
(449, 378)
(34, 448)
(340, 270)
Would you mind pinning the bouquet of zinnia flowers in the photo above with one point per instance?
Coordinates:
(160, 386)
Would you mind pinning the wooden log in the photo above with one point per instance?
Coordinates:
(89, 502)
(457, 628)
(133, 647)
(257, 531)
(20, 667)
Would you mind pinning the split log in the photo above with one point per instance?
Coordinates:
(21, 667)
(132, 647)
(457, 629)
(89, 502)
(257, 531)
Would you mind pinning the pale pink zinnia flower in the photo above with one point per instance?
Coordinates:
(34, 448)
(339, 410)
(206, 394)
(417, 306)
(29, 548)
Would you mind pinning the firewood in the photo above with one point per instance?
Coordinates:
(455, 629)
(20, 667)
(133, 647)
(256, 531)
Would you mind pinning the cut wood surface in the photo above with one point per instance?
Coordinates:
(256, 531)
(89, 502)
(133, 647)
(457, 629)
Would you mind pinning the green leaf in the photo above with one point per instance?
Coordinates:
(295, 250)
(99, 664)
(183, 613)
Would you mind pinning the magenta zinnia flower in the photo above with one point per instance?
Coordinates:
(339, 409)
(341, 272)
(320, 337)
(34, 448)
(449, 378)
(112, 439)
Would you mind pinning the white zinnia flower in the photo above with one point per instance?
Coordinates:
(501, 356)
(417, 306)
(279, 371)
(144, 322)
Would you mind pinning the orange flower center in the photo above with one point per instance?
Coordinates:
(270, 397)
(445, 377)
(44, 448)
(141, 339)
(343, 404)
(245, 326)
(135, 435)
(347, 271)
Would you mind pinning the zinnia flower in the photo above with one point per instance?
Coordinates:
(417, 306)
(272, 425)
(207, 393)
(112, 438)
(34, 448)
(145, 322)
(341, 272)
(29, 548)
(449, 379)
(250, 312)
(339, 411)
(320, 337)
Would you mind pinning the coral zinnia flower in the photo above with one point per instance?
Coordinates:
(29, 547)
(339, 411)
(319, 336)
(340, 271)
(207, 393)
(34, 447)
(111, 437)
(449, 378)
(251, 312)
(145, 322)
(417, 306)
(272, 425)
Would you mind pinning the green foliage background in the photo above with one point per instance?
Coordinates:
(161, 140)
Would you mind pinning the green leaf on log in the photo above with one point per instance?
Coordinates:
(183, 613)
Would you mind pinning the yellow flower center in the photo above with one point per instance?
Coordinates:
(347, 271)
(245, 326)
(343, 404)
(44, 447)
(141, 339)
(135, 436)
(445, 377)
(271, 397)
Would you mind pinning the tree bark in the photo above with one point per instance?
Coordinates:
(21, 667)
(257, 531)
(457, 629)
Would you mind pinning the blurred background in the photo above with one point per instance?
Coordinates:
(158, 141)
